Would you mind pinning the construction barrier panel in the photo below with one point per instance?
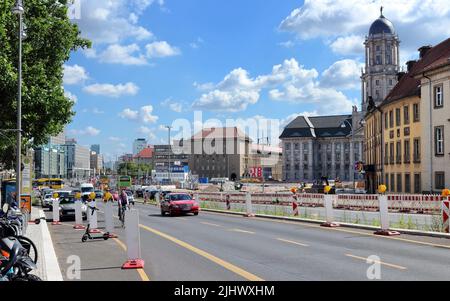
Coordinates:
(109, 223)
(248, 205)
(384, 217)
(446, 215)
(93, 218)
(55, 211)
(133, 241)
(79, 216)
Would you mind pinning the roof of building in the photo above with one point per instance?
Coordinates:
(146, 153)
(382, 26)
(220, 133)
(318, 127)
(409, 85)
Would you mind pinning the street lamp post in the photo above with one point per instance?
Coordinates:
(169, 128)
(18, 10)
(351, 145)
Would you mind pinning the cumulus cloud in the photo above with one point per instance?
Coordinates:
(348, 45)
(74, 75)
(161, 49)
(414, 20)
(344, 74)
(288, 82)
(124, 55)
(110, 90)
(88, 131)
(71, 96)
(144, 115)
(129, 114)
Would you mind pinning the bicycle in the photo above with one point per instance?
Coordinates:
(122, 214)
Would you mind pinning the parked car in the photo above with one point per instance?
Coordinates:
(179, 203)
(130, 197)
(67, 208)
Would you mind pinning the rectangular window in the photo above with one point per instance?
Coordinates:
(391, 119)
(440, 180)
(392, 188)
(378, 60)
(407, 183)
(407, 150)
(439, 96)
(397, 117)
(391, 153)
(377, 82)
(399, 183)
(406, 114)
(399, 153)
(417, 157)
(417, 183)
(386, 154)
(416, 112)
(387, 181)
(439, 140)
(386, 121)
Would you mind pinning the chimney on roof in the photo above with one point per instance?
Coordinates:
(410, 64)
(400, 75)
(424, 49)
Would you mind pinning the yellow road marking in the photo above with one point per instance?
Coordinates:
(299, 223)
(223, 263)
(242, 231)
(293, 242)
(379, 262)
(141, 272)
(209, 224)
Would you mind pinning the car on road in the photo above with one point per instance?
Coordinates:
(130, 197)
(98, 194)
(86, 190)
(47, 201)
(179, 203)
(67, 208)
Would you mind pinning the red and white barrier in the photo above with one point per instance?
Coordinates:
(446, 215)
(248, 205)
(109, 224)
(78, 216)
(133, 240)
(384, 218)
(93, 218)
(295, 206)
(55, 209)
(329, 200)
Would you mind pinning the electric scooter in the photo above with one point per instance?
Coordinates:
(88, 235)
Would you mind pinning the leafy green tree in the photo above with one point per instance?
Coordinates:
(51, 37)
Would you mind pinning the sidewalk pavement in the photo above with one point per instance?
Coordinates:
(47, 265)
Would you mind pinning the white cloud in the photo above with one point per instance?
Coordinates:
(110, 90)
(161, 49)
(414, 20)
(197, 43)
(114, 139)
(107, 21)
(348, 45)
(125, 55)
(74, 75)
(175, 106)
(71, 96)
(287, 44)
(146, 114)
(88, 131)
(129, 114)
(344, 74)
(289, 82)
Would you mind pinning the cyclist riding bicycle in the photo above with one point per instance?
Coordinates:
(123, 203)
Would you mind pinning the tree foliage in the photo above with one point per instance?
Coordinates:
(51, 37)
(134, 169)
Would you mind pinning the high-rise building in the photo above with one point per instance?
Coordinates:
(382, 62)
(138, 145)
(78, 160)
(95, 148)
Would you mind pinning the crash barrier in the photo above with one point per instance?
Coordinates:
(55, 211)
(133, 241)
(79, 215)
(417, 204)
(329, 201)
(446, 215)
(109, 223)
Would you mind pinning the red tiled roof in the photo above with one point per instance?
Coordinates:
(146, 153)
(409, 85)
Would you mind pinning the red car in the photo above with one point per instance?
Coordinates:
(179, 203)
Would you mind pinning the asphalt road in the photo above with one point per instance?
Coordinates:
(221, 247)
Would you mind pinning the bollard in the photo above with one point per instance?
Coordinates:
(295, 206)
(133, 240)
(109, 219)
(78, 216)
(446, 215)
(93, 219)
(248, 205)
(329, 211)
(157, 198)
(384, 218)
(55, 209)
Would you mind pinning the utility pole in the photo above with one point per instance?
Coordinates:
(18, 10)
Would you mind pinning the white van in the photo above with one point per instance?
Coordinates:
(86, 189)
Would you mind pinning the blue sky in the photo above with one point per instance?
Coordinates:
(156, 61)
